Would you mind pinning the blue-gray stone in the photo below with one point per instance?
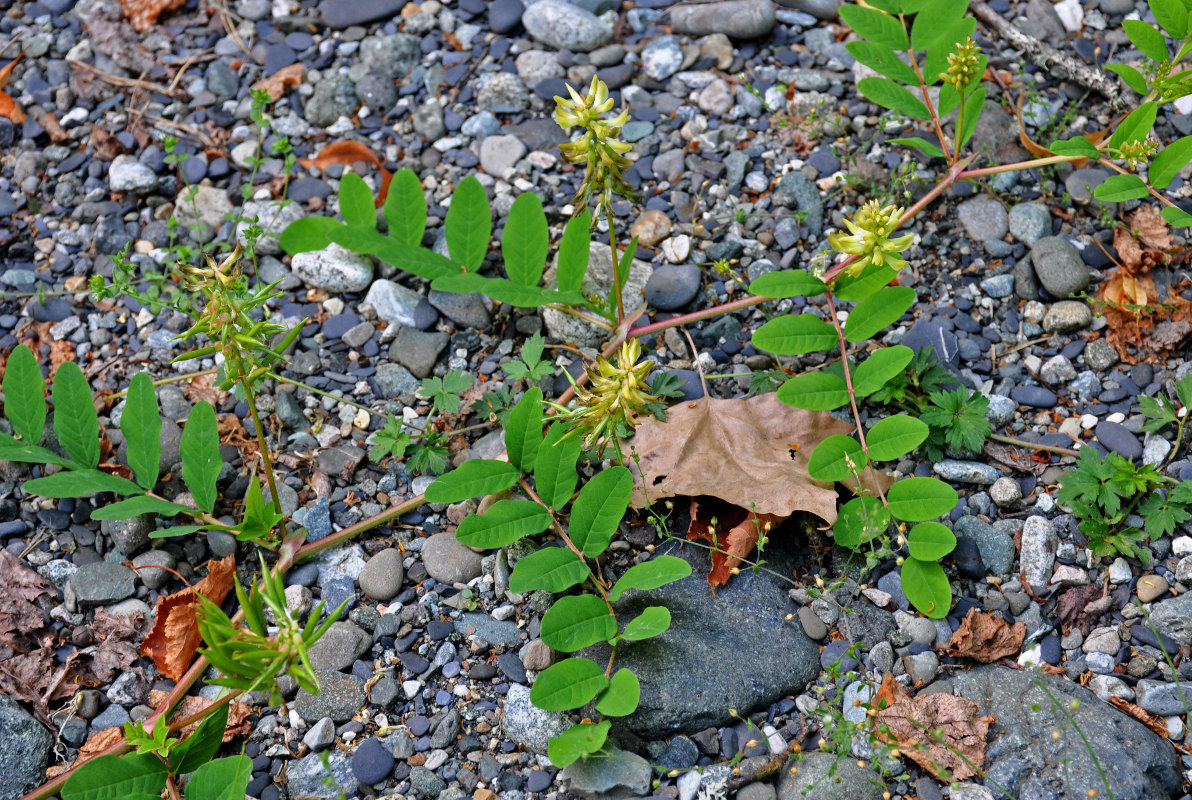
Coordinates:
(1119, 439)
(795, 190)
(340, 14)
(27, 747)
(1036, 397)
(966, 472)
(996, 547)
(672, 286)
(999, 285)
(1059, 267)
(1030, 222)
(505, 15)
(372, 763)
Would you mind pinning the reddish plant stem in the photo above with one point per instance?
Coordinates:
(935, 120)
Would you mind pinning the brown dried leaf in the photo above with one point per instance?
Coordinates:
(61, 351)
(1151, 227)
(202, 389)
(1153, 722)
(106, 145)
(1128, 249)
(1167, 335)
(1071, 605)
(174, 640)
(351, 152)
(95, 745)
(8, 106)
(20, 581)
(27, 675)
(751, 452)
(743, 529)
(117, 638)
(275, 85)
(986, 638)
(49, 121)
(955, 719)
(143, 14)
(238, 713)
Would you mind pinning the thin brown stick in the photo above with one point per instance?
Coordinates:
(1048, 57)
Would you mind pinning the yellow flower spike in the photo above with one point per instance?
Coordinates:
(597, 148)
(870, 238)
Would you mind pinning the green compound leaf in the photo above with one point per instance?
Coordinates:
(554, 470)
(789, 283)
(598, 510)
(795, 335)
(551, 569)
(503, 523)
(932, 26)
(814, 391)
(13, 450)
(1117, 188)
(1146, 39)
(1076, 146)
(75, 420)
(857, 288)
(25, 395)
(942, 41)
(930, 541)
(308, 234)
(1177, 216)
(1172, 15)
(523, 434)
(650, 575)
(135, 506)
(405, 208)
(1170, 161)
(416, 260)
(525, 241)
(621, 697)
(894, 437)
(972, 112)
(921, 499)
(653, 621)
(201, 746)
(877, 311)
(921, 143)
(117, 778)
(882, 60)
(837, 458)
(875, 26)
(1138, 124)
(221, 779)
(1130, 76)
(475, 478)
(356, 202)
(576, 622)
(201, 461)
(569, 684)
(926, 587)
(877, 370)
(888, 94)
(860, 520)
(469, 224)
(574, 251)
(576, 742)
(141, 425)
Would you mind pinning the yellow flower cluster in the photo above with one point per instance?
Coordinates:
(598, 149)
(1138, 153)
(870, 238)
(614, 397)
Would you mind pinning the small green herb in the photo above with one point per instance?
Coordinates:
(957, 421)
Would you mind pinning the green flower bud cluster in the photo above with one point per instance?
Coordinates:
(963, 65)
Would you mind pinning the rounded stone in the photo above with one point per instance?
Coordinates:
(983, 218)
(1005, 492)
(1059, 267)
(334, 268)
(448, 561)
(372, 763)
(1067, 316)
(1152, 587)
(651, 228)
(672, 286)
(382, 576)
(565, 26)
(1118, 438)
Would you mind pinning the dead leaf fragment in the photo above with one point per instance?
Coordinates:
(914, 722)
(277, 83)
(238, 713)
(143, 14)
(1151, 227)
(732, 536)
(351, 152)
(1153, 722)
(751, 452)
(986, 638)
(8, 106)
(174, 640)
(1080, 604)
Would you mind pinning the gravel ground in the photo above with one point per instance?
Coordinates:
(425, 687)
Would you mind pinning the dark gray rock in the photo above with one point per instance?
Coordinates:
(339, 647)
(501, 634)
(340, 697)
(464, 309)
(996, 548)
(711, 660)
(1116, 437)
(130, 536)
(1059, 267)
(102, 582)
(672, 286)
(27, 747)
(824, 777)
(1023, 757)
(372, 763)
(1173, 618)
(505, 15)
(418, 351)
(620, 774)
(340, 14)
(795, 190)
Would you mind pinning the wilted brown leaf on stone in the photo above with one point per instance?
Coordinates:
(914, 723)
(275, 85)
(1128, 249)
(95, 745)
(143, 14)
(1153, 722)
(751, 452)
(732, 536)
(26, 646)
(986, 638)
(1151, 227)
(1078, 605)
(175, 639)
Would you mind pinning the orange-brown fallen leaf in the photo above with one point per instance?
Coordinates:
(277, 83)
(143, 14)
(986, 638)
(751, 452)
(913, 723)
(732, 532)
(238, 713)
(96, 743)
(174, 640)
(351, 152)
(1153, 722)
(8, 106)
(1151, 227)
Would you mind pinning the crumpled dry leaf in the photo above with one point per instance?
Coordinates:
(1128, 249)
(202, 389)
(1151, 227)
(8, 106)
(117, 637)
(733, 536)
(351, 152)
(275, 85)
(1167, 335)
(111, 36)
(26, 644)
(1153, 722)
(986, 638)
(751, 452)
(1078, 605)
(909, 720)
(105, 144)
(95, 745)
(143, 14)
(61, 351)
(238, 713)
(175, 639)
